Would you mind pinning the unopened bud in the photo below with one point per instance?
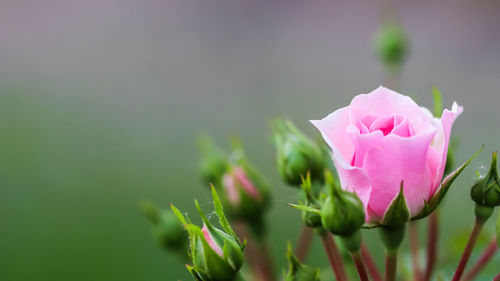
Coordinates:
(213, 161)
(244, 191)
(217, 254)
(342, 212)
(166, 228)
(486, 191)
(391, 43)
(297, 155)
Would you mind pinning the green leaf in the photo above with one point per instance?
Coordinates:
(438, 101)
(397, 214)
(305, 208)
(434, 201)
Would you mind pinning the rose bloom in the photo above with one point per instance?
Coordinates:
(383, 138)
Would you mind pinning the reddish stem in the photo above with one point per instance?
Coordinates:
(415, 249)
(432, 237)
(370, 264)
(488, 253)
(334, 257)
(497, 278)
(304, 243)
(391, 264)
(360, 266)
(266, 264)
(478, 225)
(256, 254)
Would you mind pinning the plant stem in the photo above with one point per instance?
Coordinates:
(391, 264)
(497, 278)
(478, 226)
(334, 257)
(265, 261)
(432, 238)
(304, 243)
(488, 253)
(360, 266)
(250, 250)
(415, 249)
(370, 264)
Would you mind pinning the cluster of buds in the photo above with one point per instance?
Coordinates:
(216, 254)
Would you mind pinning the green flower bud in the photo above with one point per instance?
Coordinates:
(166, 228)
(391, 44)
(342, 212)
(486, 191)
(217, 255)
(297, 271)
(297, 154)
(245, 193)
(213, 161)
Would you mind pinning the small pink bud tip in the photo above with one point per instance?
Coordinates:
(238, 178)
(211, 242)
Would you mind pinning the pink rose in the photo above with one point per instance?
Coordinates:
(383, 138)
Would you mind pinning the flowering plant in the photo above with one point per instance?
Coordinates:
(390, 156)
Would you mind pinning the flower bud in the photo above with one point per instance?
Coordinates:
(486, 191)
(213, 162)
(391, 44)
(245, 192)
(297, 154)
(166, 228)
(297, 271)
(217, 255)
(342, 212)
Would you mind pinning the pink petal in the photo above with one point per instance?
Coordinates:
(246, 183)
(211, 242)
(399, 159)
(354, 179)
(362, 143)
(229, 184)
(447, 120)
(383, 101)
(333, 129)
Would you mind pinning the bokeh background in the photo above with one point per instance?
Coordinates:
(101, 101)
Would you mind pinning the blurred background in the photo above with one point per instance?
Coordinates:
(101, 102)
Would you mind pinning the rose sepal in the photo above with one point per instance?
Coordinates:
(298, 271)
(397, 214)
(433, 202)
